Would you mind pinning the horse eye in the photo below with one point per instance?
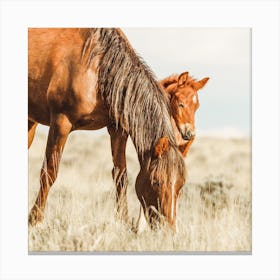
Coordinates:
(181, 105)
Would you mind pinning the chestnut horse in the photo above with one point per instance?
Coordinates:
(181, 91)
(89, 78)
(182, 94)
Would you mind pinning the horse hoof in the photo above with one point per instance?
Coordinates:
(35, 217)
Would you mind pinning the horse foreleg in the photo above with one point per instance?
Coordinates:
(119, 173)
(31, 132)
(60, 127)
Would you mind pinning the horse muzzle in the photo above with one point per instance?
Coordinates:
(187, 132)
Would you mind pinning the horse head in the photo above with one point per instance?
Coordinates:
(182, 93)
(159, 183)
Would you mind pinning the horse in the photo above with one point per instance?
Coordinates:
(182, 94)
(90, 78)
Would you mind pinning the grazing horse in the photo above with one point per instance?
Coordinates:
(182, 94)
(89, 78)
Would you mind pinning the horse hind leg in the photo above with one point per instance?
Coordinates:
(31, 131)
(119, 173)
(60, 128)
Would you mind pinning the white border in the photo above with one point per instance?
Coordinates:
(261, 16)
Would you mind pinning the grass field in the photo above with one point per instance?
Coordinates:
(214, 211)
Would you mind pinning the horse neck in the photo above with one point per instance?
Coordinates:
(133, 96)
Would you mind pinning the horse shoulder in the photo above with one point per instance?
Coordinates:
(59, 85)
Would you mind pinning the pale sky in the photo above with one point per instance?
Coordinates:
(223, 54)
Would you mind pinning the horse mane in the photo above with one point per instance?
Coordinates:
(130, 89)
(135, 99)
(172, 81)
(169, 80)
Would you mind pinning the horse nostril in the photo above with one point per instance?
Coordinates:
(188, 135)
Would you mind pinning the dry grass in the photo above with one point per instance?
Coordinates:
(214, 212)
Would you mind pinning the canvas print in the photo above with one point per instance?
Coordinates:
(139, 140)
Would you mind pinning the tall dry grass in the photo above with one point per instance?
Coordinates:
(214, 211)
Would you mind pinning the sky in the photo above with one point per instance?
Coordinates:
(223, 54)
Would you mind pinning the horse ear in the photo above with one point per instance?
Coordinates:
(183, 79)
(200, 84)
(161, 147)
